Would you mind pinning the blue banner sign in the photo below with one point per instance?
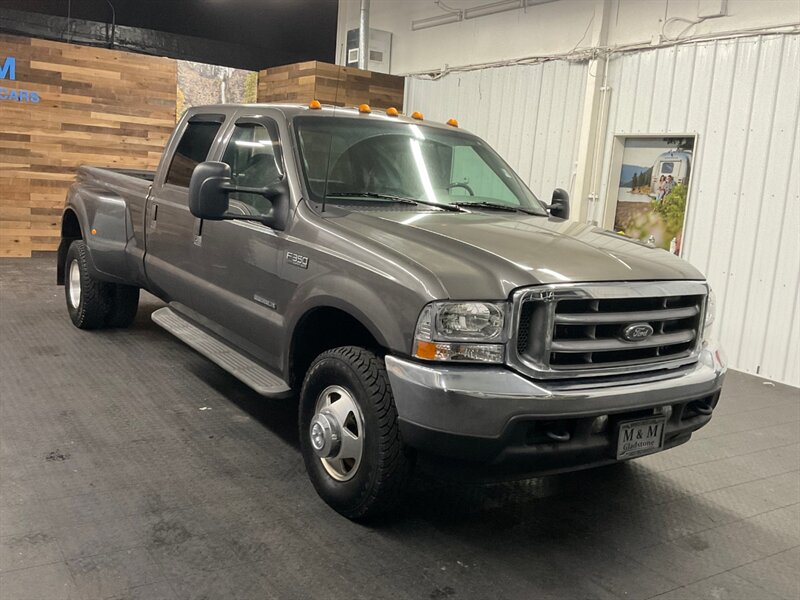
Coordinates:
(8, 70)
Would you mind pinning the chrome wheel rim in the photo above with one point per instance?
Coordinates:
(336, 432)
(74, 282)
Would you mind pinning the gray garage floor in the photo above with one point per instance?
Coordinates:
(133, 468)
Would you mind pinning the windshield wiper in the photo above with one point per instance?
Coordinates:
(393, 198)
(496, 206)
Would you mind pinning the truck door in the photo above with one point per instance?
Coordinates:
(172, 258)
(240, 258)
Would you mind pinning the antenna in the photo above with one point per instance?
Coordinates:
(330, 142)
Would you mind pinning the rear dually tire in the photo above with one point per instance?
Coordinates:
(92, 303)
(87, 297)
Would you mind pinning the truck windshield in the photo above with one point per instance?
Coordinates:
(374, 160)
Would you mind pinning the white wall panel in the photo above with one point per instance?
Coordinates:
(742, 98)
(542, 29)
(529, 114)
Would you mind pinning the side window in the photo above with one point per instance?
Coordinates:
(192, 149)
(470, 169)
(251, 154)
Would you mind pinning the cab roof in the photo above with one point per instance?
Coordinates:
(291, 110)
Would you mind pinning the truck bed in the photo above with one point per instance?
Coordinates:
(115, 201)
(138, 173)
(111, 175)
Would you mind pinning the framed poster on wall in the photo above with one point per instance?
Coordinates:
(652, 187)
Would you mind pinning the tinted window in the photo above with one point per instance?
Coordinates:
(344, 157)
(251, 156)
(192, 149)
(471, 175)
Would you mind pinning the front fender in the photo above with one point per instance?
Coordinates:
(390, 316)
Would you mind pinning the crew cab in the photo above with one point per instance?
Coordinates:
(400, 279)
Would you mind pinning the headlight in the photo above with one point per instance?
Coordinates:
(461, 331)
(711, 310)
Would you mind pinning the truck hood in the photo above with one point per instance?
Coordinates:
(482, 254)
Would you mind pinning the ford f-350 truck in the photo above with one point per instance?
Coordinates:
(399, 278)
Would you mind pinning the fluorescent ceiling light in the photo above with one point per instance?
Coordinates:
(436, 21)
(259, 144)
(482, 10)
(492, 8)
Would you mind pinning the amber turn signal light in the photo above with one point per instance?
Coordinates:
(425, 350)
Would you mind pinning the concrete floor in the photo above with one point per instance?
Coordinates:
(131, 467)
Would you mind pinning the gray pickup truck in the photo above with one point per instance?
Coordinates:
(399, 278)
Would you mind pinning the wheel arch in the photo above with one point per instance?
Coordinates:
(324, 327)
(71, 230)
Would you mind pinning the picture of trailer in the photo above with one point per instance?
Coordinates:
(676, 163)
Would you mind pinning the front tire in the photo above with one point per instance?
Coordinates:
(349, 433)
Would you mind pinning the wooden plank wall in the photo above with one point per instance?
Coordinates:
(330, 84)
(97, 106)
(116, 109)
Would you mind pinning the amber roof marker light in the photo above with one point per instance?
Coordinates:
(315, 105)
(364, 109)
(392, 112)
(452, 122)
(417, 115)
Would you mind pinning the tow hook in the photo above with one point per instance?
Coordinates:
(701, 407)
(558, 436)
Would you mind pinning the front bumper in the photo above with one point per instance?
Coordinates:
(493, 415)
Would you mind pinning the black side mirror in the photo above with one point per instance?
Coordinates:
(278, 194)
(209, 189)
(211, 184)
(559, 206)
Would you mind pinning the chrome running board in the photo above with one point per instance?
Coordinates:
(244, 368)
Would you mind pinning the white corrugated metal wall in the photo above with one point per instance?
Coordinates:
(741, 97)
(530, 114)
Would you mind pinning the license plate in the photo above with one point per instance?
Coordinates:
(637, 438)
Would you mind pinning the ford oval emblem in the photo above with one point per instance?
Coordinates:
(636, 332)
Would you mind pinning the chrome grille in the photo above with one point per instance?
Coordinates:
(570, 330)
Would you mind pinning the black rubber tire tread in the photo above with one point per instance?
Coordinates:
(95, 294)
(388, 471)
(123, 305)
